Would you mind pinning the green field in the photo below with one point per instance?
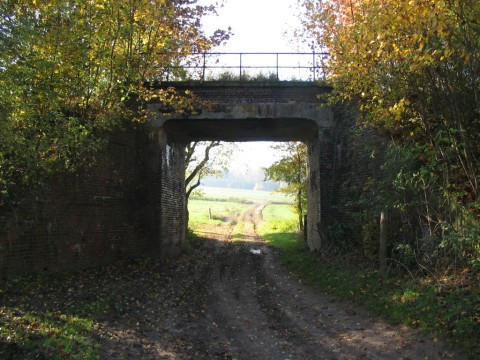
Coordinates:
(278, 212)
(220, 205)
(243, 195)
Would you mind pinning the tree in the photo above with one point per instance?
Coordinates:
(71, 70)
(291, 169)
(413, 69)
(204, 159)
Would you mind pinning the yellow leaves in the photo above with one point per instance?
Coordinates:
(398, 110)
(140, 16)
(87, 49)
(372, 38)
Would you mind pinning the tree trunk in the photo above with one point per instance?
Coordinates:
(300, 211)
(300, 222)
(305, 227)
(187, 215)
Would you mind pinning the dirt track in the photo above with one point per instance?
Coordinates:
(233, 300)
(222, 300)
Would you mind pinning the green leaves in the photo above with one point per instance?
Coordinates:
(291, 170)
(412, 69)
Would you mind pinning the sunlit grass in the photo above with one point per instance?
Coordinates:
(280, 212)
(279, 227)
(46, 335)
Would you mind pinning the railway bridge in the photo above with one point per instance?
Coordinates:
(242, 111)
(131, 202)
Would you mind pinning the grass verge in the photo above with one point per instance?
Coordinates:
(446, 308)
(48, 335)
(41, 319)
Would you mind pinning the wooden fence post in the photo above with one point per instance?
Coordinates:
(382, 253)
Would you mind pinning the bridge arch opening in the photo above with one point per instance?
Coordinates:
(241, 130)
(182, 131)
(235, 198)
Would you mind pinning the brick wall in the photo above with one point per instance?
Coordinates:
(96, 216)
(356, 155)
(253, 92)
(314, 196)
(167, 174)
(132, 202)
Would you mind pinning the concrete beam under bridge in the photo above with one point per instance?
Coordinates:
(187, 130)
(247, 122)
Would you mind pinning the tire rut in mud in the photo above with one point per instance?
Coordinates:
(257, 310)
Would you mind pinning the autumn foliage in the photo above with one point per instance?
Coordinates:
(72, 69)
(413, 69)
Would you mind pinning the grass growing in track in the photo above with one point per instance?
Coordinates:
(238, 231)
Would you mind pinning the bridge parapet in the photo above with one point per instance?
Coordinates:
(250, 65)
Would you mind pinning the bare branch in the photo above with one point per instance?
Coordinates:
(197, 170)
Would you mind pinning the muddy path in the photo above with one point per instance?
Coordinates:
(234, 300)
(223, 299)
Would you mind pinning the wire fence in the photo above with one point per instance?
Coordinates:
(280, 66)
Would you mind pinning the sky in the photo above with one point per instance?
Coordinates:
(258, 26)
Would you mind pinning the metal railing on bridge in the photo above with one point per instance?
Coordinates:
(250, 66)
